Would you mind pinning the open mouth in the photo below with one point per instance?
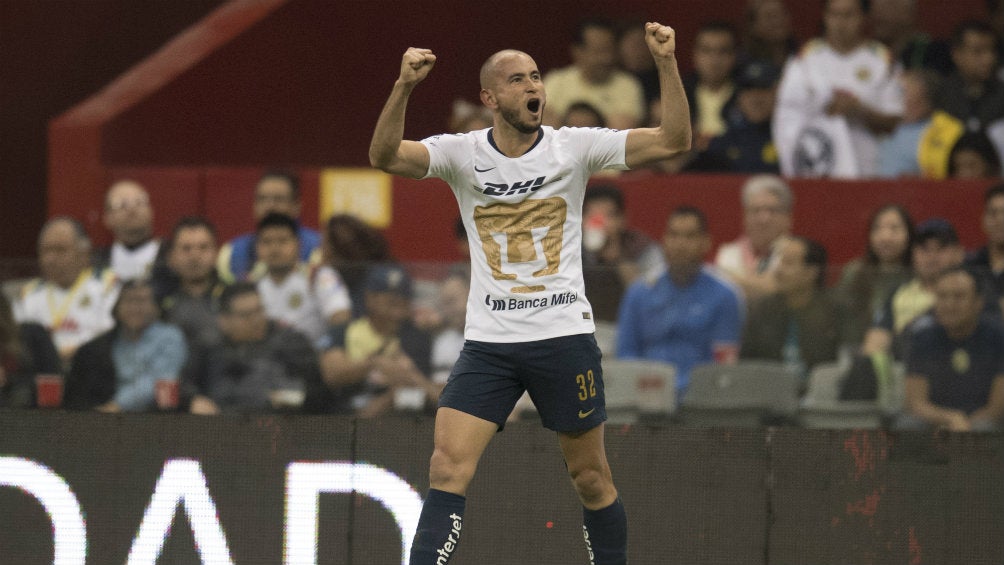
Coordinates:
(533, 105)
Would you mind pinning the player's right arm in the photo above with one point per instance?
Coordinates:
(389, 151)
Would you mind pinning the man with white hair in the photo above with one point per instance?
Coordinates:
(71, 299)
(750, 260)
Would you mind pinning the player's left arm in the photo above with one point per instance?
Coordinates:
(672, 137)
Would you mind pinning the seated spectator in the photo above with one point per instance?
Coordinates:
(837, 97)
(894, 23)
(380, 362)
(258, 366)
(593, 77)
(70, 299)
(973, 93)
(192, 303)
(750, 260)
(121, 369)
(974, 157)
(898, 153)
(801, 323)
(710, 89)
(296, 295)
(688, 316)
(866, 282)
(768, 35)
(129, 216)
(989, 259)
(613, 254)
(279, 192)
(634, 57)
(935, 248)
(350, 247)
(448, 339)
(26, 350)
(955, 362)
(583, 115)
(747, 146)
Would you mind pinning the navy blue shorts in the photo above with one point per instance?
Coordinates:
(562, 375)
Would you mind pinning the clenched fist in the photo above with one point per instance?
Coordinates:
(661, 40)
(416, 64)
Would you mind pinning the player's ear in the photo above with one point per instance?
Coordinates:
(488, 99)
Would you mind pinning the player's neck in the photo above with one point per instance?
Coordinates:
(512, 142)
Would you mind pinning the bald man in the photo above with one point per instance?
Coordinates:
(520, 187)
(70, 298)
(129, 216)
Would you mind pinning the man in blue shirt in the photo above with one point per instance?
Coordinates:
(277, 191)
(690, 314)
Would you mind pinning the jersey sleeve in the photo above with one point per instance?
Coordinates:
(448, 153)
(601, 148)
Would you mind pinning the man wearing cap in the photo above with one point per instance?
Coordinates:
(381, 361)
(935, 248)
(747, 145)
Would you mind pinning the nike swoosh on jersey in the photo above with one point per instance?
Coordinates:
(583, 415)
(483, 170)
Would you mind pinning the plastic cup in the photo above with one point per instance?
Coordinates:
(166, 394)
(49, 390)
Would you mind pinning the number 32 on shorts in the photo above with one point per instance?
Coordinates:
(587, 385)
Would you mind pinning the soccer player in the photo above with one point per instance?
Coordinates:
(520, 187)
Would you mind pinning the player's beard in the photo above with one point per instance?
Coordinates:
(513, 118)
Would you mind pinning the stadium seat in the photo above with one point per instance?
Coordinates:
(638, 390)
(750, 393)
(822, 408)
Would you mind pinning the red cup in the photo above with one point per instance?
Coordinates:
(48, 391)
(166, 394)
(725, 353)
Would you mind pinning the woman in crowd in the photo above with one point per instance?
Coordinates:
(867, 281)
(350, 246)
(135, 365)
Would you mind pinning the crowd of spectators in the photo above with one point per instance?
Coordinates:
(287, 319)
(872, 96)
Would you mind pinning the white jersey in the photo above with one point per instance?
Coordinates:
(133, 263)
(72, 315)
(523, 217)
(811, 143)
(305, 300)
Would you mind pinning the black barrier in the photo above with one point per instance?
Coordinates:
(159, 489)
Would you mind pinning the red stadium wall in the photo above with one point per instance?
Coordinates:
(300, 82)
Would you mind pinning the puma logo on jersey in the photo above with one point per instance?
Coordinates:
(518, 187)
